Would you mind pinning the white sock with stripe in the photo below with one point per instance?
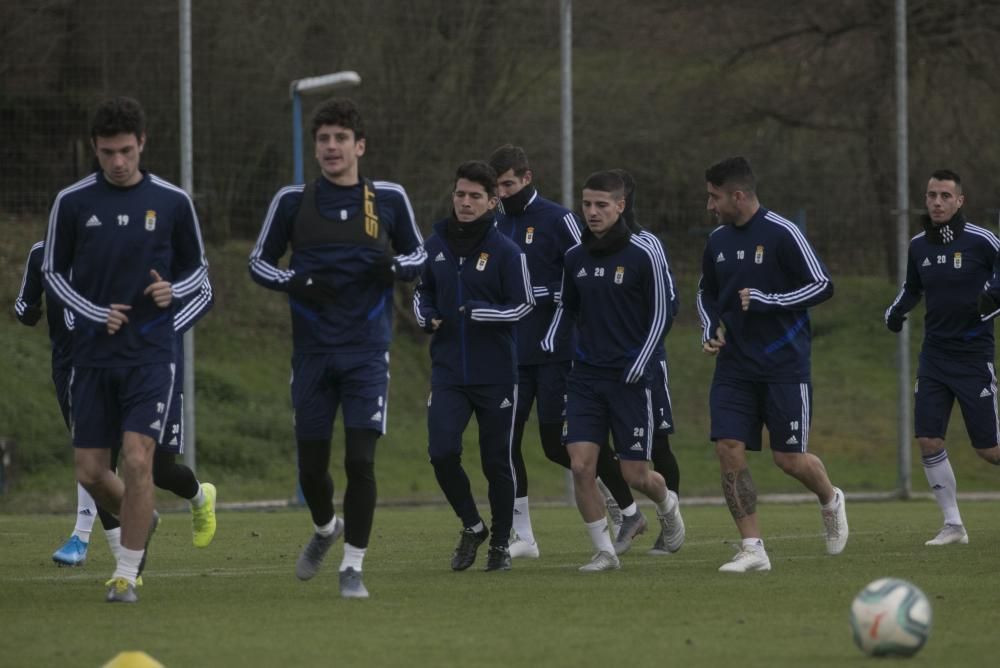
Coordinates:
(941, 478)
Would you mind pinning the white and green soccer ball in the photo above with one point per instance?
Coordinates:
(890, 617)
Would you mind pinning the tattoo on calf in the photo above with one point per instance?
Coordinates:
(741, 495)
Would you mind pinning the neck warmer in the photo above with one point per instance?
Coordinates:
(613, 240)
(463, 238)
(946, 232)
(515, 204)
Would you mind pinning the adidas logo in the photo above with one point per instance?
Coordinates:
(440, 257)
(925, 263)
(636, 446)
(582, 273)
(938, 487)
(985, 393)
(664, 425)
(377, 417)
(792, 440)
(720, 258)
(156, 425)
(173, 441)
(86, 512)
(517, 512)
(94, 221)
(505, 403)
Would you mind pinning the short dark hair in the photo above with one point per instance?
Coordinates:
(948, 175)
(732, 171)
(479, 172)
(340, 111)
(607, 181)
(510, 157)
(118, 115)
(629, 212)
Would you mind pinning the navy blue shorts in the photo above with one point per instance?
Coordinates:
(106, 402)
(597, 403)
(739, 408)
(544, 385)
(663, 414)
(61, 379)
(449, 408)
(974, 384)
(321, 382)
(173, 436)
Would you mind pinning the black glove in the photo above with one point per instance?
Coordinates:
(895, 322)
(30, 316)
(383, 272)
(986, 303)
(312, 290)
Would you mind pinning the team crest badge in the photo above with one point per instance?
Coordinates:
(619, 274)
(758, 256)
(529, 236)
(957, 260)
(150, 220)
(481, 262)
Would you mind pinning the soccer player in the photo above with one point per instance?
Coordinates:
(342, 229)
(28, 307)
(759, 277)
(615, 286)
(123, 246)
(167, 474)
(544, 231)
(948, 263)
(473, 291)
(663, 458)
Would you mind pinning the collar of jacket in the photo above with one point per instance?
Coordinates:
(613, 241)
(946, 232)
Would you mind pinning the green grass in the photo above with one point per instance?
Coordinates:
(237, 603)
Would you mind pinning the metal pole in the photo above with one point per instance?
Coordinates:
(299, 175)
(905, 429)
(187, 183)
(566, 107)
(566, 99)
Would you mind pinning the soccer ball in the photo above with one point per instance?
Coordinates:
(890, 617)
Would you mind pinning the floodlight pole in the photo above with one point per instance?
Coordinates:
(905, 429)
(187, 183)
(312, 85)
(566, 123)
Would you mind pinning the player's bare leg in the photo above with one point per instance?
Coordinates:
(741, 497)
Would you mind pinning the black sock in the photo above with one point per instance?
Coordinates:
(315, 480)
(552, 443)
(108, 521)
(665, 463)
(610, 473)
(173, 477)
(361, 492)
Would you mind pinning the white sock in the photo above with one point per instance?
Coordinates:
(599, 535)
(128, 564)
(834, 502)
(753, 543)
(522, 520)
(941, 478)
(198, 500)
(327, 529)
(477, 527)
(665, 506)
(630, 510)
(86, 513)
(353, 557)
(114, 537)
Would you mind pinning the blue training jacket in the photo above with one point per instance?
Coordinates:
(492, 287)
(101, 244)
(620, 302)
(544, 232)
(771, 341)
(360, 319)
(950, 276)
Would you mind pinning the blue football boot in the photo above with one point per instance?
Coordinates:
(72, 553)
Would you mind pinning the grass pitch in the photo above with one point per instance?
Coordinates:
(237, 603)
